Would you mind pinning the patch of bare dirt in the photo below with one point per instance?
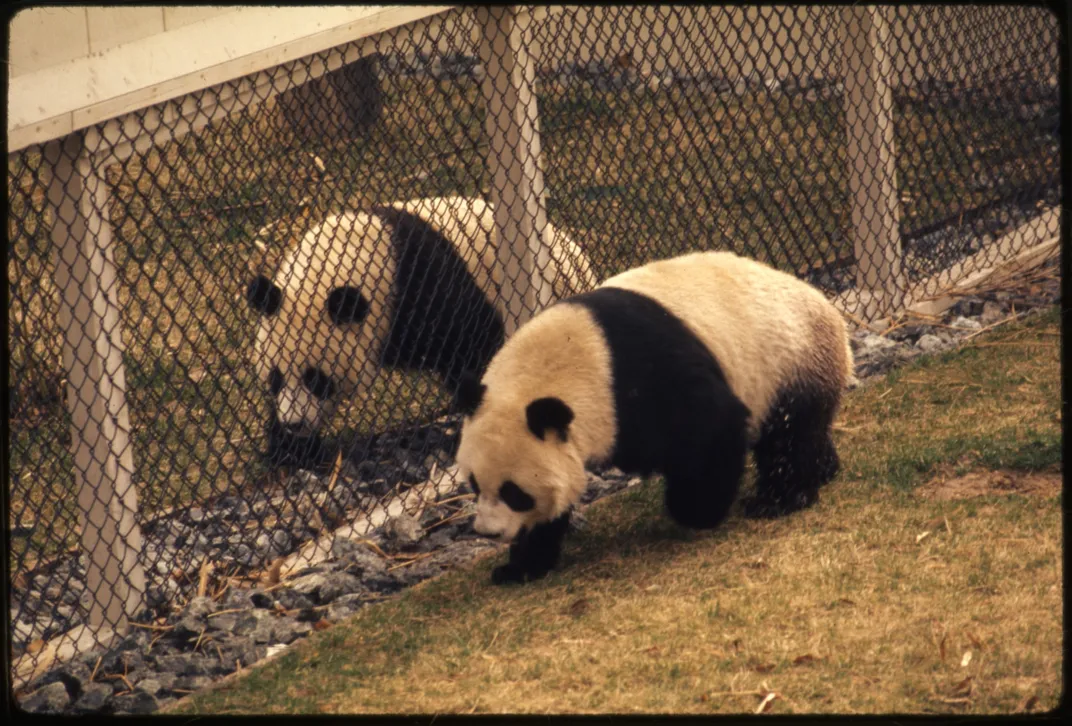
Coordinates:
(986, 482)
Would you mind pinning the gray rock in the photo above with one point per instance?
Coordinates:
(966, 324)
(244, 653)
(196, 515)
(930, 343)
(871, 344)
(152, 686)
(245, 625)
(336, 584)
(191, 683)
(187, 626)
(223, 623)
(345, 606)
(439, 539)
(910, 333)
(243, 555)
(286, 630)
(363, 562)
(183, 664)
(308, 584)
(165, 679)
(968, 306)
(992, 313)
(239, 599)
(52, 698)
(94, 696)
(292, 600)
(238, 512)
(342, 546)
(201, 606)
(403, 530)
(281, 540)
(325, 587)
(264, 631)
(138, 702)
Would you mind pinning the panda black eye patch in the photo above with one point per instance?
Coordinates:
(275, 381)
(264, 296)
(472, 483)
(318, 383)
(347, 305)
(515, 497)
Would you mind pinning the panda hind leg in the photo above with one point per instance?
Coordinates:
(794, 455)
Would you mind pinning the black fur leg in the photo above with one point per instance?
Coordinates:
(794, 455)
(534, 553)
(288, 449)
(829, 461)
(706, 461)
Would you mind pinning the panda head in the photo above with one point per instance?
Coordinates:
(321, 322)
(518, 457)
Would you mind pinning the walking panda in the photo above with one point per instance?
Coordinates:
(411, 285)
(677, 367)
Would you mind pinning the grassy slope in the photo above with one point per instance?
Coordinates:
(868, 603)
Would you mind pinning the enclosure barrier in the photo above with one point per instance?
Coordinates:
(883, 154)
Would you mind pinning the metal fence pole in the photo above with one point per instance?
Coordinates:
(96, 383)
(873, 194)
(513, 161)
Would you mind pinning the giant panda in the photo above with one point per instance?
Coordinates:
(411, 285)
(678, 367)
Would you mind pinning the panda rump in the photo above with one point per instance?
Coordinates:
(678, 367)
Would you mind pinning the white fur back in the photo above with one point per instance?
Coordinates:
(766, 328)
(464, 218)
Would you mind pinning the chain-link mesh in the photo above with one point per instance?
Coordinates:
(871, 152)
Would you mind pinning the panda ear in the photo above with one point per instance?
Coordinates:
(469, 395)
(549, 413)
(264, 296)
(347, 305)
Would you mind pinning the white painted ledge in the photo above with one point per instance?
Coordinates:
(51, 102)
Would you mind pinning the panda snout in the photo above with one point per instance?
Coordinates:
(297, 429)
(296, 444)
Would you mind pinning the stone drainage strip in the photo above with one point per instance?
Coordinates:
(366, 560)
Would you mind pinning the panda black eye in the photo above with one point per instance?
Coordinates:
(318, 383)
(515, 497)
(275, 381)
(472, 483)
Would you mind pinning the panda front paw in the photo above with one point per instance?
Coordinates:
(513, 573)
(510, 574)
(507, 574)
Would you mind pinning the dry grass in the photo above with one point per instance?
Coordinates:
(883, 599)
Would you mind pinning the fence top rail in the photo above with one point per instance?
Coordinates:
(48, 99)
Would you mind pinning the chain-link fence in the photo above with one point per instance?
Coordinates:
(328, 254)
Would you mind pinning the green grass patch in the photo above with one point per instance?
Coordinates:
(884, 598)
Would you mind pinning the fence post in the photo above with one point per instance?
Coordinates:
(513, 161)
(872, 169)
(96, 383)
